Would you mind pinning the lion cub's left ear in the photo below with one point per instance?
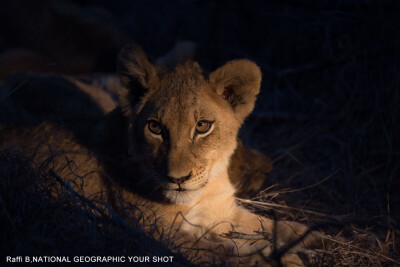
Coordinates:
(137, 74)
(238, 82)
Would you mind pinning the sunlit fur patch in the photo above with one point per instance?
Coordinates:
(221, 164)
(182, 197)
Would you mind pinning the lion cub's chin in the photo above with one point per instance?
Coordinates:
(182, 197)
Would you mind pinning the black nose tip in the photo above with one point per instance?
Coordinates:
(180, 180)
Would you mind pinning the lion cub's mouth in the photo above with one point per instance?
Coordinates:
(182, 189)
(183, 193)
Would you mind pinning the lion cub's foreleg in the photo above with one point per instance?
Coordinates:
(281, 232)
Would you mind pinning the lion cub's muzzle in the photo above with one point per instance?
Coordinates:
(195, 179)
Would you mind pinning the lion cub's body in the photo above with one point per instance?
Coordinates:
(152, 152)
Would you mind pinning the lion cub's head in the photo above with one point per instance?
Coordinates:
(183, 126)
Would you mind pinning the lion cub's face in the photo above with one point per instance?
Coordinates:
(187, 132)
(182, 126)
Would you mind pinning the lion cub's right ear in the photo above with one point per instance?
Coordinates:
(238, 82)
(137, 76)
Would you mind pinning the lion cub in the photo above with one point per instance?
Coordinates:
(182, 130)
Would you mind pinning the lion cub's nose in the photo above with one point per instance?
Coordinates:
(180, 180)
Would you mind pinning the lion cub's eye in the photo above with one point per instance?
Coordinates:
(203, 126)
(154, 127)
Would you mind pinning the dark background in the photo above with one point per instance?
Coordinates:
(330, 100)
